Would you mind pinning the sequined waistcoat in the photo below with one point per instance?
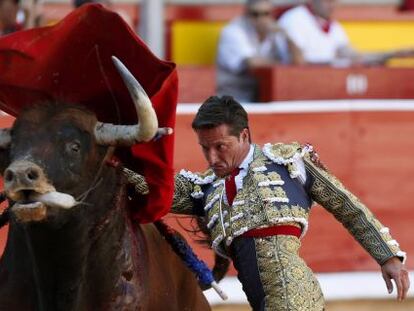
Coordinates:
(269, 196)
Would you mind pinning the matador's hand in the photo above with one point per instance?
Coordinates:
(162, 131)
(394, 269)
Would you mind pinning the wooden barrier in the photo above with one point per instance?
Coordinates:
(196, 83)
(306, 82)
(324, 82)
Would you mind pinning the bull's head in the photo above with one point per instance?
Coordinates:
(55, 155)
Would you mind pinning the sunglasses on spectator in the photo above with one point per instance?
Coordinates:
(257, 14)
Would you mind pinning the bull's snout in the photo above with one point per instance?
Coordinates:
(23, 176)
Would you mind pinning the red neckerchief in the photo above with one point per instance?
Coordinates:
(230, 185)
(324, 24)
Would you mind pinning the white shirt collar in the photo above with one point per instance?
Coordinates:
(248, 159)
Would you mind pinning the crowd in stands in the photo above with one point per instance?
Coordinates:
(304, 34)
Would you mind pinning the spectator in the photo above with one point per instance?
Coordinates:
(108, 4)
(30, 14)
(249, 41)
(322, 40)
(8, 16)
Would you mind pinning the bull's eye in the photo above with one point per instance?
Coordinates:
(8, 175)
(74, 147)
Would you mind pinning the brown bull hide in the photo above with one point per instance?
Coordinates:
(88, 256)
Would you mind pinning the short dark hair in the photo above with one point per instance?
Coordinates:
(216, 111)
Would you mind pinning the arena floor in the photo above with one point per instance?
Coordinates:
(350, 305)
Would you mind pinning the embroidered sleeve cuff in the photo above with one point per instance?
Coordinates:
(182, 203)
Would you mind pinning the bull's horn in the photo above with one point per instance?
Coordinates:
(127, 135)
(5, 138)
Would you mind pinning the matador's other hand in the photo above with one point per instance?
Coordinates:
(394, 269)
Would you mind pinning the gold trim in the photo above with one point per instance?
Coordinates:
(328, 191)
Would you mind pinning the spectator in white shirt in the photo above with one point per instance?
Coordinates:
(322, 40)
(247, 42)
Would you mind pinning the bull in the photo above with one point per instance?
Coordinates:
(71, 243)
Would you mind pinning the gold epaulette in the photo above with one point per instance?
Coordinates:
(282, 153)
(287, 155)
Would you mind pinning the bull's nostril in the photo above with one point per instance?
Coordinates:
(33, 175)
(8, 176)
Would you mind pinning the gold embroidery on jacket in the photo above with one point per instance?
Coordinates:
(182, 203)
(355, 216)
(285, 151)
(287, 281)
(273, 176)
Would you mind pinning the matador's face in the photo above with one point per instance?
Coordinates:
(223, 151)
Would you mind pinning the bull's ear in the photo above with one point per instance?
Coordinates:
(5, 138)
(5, 141)
(4, 159)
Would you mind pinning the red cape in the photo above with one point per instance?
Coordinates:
(71, 61)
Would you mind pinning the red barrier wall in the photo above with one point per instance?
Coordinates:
(371, 152)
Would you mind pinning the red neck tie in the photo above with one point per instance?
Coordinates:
(230, 184)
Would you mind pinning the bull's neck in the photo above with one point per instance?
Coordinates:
(79, 263)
